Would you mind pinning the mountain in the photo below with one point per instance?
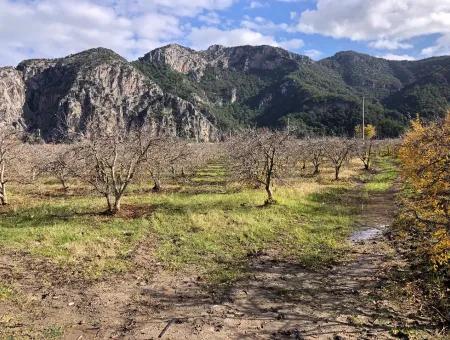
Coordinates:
(58, 96)
(196, 94)
(268, 86)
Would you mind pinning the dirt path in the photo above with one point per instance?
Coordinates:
(356, 299)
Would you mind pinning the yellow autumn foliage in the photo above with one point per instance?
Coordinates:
(425, 167)
(369, 131)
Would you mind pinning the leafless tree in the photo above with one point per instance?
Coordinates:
(299, 153)
(260, 156)
(389, 147)
(110, 160)
(61, 163)
(316, 150)
(365, 150)
(164, 157)
(9, 145)
(337, 151)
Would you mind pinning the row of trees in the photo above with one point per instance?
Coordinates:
(261, 156)
(110, 161)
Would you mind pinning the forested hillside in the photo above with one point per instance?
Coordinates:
(267, 86)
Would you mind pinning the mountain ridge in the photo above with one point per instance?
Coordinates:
(336, 83)
(195, 93)
(62, 95)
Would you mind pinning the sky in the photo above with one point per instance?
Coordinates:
(393, 29)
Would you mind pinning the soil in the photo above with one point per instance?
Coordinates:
(362, 297)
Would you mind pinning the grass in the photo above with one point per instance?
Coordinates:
(221, 230)
(65, 231)
(209, 223)
(53, 332)
(384, 179)
(6, 292)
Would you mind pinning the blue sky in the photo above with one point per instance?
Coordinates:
(394, 29)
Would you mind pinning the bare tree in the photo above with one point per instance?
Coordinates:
(260, 156)
(337, 151)
(111, 159)
(61, 163)
(365, 150)
(165, 156)
(9, 145)
(316, 148)
(299, 153)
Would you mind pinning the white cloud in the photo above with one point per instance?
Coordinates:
(313, 54)
(257, 4)
(265, 26)
(291, 44)
(48, 28)
(171, 7)
(203, 37)
(397, 57)
(389, 44)
(441, 47)
(384, 23)
(211, 18)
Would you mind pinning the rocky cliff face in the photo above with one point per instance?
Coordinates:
(58, 97)
(12, 94)
(242, 58)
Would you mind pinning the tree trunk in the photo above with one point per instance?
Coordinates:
(64, 185)
(156, 185)
(117, 202)
(3, 195)
(368, 157)
(316, 170)
(110, 205)
(336, 172)
(270, 199)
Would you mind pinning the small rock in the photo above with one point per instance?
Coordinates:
(71, 304)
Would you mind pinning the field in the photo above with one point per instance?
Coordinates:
(181, 258)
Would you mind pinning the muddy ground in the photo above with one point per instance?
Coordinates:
(363, 297)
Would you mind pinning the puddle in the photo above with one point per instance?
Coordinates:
(367, 234)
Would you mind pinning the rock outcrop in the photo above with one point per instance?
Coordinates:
(58, 97)
(242, 58)
(12, 96)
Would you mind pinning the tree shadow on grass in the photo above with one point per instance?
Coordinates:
(281, 299)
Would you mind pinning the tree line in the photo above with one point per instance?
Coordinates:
(109, 161)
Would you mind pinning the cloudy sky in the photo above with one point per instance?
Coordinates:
(395, 29)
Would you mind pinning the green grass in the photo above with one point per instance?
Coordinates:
(384, 179)
(209, 224)
(219, 231)
(6, 292)
(72, 232)
(53, 332)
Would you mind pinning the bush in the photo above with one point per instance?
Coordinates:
(424, 221)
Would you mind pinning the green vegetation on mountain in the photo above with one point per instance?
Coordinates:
(261, 86)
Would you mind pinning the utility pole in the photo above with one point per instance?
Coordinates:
(363, 118)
